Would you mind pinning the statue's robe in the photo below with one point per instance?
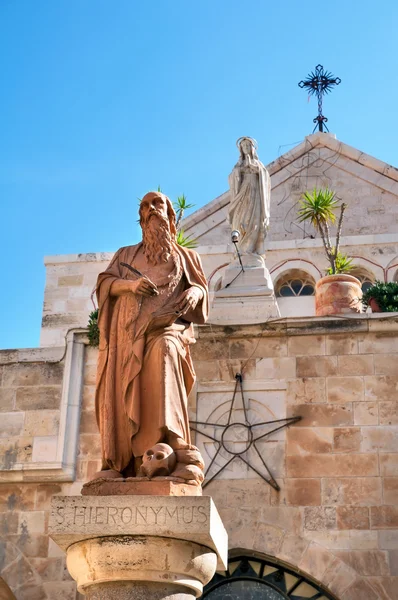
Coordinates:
(145, 371)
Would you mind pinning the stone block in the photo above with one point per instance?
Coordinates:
(388, 413)
(65, 590)
(318, 518)
(38, 397)
(341, 344)
(253, 493)
(7, 399)
(365, 562)
(45, 448)
(207, 370)
(378, 343)
(381, 388)
(304, 345)
(228, 368)
(339, 577)
(288, 518)
(293, 548)
(380, 439)
(74, 519)
(258, 348)
(45, 491)
(89, 445)
(8, 524)
(306, 440)
(41, 422)
(366, 413)
(70, 280)
(276, 368)
(347, 439)
(385, 364)
(344, 539)
(306, 390)
(15, 450)
(88, 422)
(344, 389)
(360, 590)
(34, 545)
(386, 587)
(388, 539)
(352, 517)
(11, 424)
(210, 349)
(389, 465)
(315, 561)
(90, 375)
(360, 364)
(332, 465)
(384, 517)
(88, 399)
(316, 366)
(322, 415)
(390, 490)
(303, 492)
(15, 497)
(268, 539)
(23, 374)
(31, 522)
(20, 572)
(356, 491)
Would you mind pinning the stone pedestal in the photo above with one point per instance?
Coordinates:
(123, 547)
(245, 297)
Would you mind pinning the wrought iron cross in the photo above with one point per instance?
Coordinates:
(319, 83)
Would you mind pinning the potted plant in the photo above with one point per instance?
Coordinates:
(382, 297)
(338, 292)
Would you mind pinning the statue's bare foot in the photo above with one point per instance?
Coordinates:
(107, 474)
(189, 473)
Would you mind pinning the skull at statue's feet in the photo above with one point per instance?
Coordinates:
(158, 461)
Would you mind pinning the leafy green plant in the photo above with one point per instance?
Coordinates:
(318, 208)
(385, 294)
(93, 330)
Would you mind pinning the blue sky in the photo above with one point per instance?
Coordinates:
(102, 101)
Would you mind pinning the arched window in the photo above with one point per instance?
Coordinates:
(261, 579)
(367, 279)
(294, 283)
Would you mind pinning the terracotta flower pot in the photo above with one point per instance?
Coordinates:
(338, 294)
(374, 305)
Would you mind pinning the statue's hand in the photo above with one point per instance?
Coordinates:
(142, 287)
(189, 300)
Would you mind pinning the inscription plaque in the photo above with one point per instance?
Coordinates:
(195, 518)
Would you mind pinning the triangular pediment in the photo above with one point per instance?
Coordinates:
(368, 185)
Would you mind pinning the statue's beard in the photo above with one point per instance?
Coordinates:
(156, 238)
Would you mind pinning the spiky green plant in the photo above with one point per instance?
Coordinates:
(318, 208)
(343, 265)
(187, 241)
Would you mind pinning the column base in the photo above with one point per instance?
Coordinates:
(135, 590)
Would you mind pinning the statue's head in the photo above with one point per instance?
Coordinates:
(247, 146)
(158, 224)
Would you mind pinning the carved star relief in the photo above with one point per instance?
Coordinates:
(228, 436)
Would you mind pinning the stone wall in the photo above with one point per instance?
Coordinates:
(336, 514)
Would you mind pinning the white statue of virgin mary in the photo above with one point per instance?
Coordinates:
(250, 188)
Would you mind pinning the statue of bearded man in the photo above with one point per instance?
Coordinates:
(145, 371)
